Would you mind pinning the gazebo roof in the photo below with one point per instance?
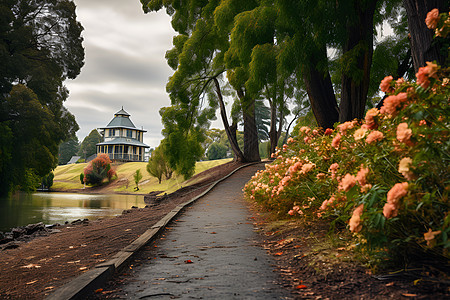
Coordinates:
(121, 112)
(121, 119)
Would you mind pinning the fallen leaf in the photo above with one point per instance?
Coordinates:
(301, 286)
(98, 291)
(188, 261)
(390, 284)
(82, 268)
(49, 288)
(213, 232)
(31, 282)
(31, 266)
(409, 295)
(127, 229)
(278, 253)
(73, 262)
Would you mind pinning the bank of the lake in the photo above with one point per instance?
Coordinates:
(22, 209)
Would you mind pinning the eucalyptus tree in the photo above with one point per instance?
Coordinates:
(40, 47)
(198, 58)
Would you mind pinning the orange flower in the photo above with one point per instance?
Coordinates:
(374, 136)
(432, 18)
(385, 85)
(430, 235)
(404, 168)
(328, 131)
(347, 182)
(398, 191)
(290, 140)
(305, 129)
(390, 210)
(361, 177)
(335, 142)
(359, 133)
(393, 102)
(403, 133)
(345, 126)
(370, 118)
(306, 168)
(355, 220)
(333, 169)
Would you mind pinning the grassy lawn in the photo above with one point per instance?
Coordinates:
(68, 177)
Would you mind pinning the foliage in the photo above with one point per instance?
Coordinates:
(67, 150)
(41, 46)
(47, 181)
(216, 151)
(137, 177)
(88, 146)
(386, 177)
(157, 165)
(98, 169)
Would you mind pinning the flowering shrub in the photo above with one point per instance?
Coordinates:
(387, 176)
(98, 169)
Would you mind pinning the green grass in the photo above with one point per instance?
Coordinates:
(68, 177)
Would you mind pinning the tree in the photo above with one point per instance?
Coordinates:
(98, 169)
(137, 177)
(40, 42)
(216, 151)
(200, 74)
(157, 165)
(67, 150)
(88, 146)
(423, 48)
(47, 181)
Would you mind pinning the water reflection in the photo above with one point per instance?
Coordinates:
(49, 208)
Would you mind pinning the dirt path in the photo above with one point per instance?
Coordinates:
(211, 251)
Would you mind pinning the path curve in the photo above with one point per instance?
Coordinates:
(211, 251)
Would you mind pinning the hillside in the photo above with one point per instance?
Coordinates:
(67, 179)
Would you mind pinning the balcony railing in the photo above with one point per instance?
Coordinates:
(125, 157)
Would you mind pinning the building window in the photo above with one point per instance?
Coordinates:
(129, 133)
(112, 132)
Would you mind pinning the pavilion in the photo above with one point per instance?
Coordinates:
(122, 141)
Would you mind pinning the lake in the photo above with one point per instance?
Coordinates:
(22, 209)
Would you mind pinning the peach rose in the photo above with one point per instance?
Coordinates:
(370, 118)
(403, 133)
(347, 182)
(336, 140)
(385, 84)
(355, 220)
(432, 18)
(374, 136)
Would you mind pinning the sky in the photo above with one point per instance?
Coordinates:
(124, 66)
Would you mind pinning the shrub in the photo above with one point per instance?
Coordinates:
(98, 169)
(387, 176)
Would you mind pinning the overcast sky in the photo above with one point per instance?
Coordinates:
(124, 66)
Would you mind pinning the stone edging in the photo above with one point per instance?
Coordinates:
(86, 283)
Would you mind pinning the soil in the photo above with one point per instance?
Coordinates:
(311, 267)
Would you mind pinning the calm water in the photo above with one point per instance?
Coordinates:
(50, 208)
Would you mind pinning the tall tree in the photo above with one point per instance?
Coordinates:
(88, 145)
(67, 150)
(40, 47)
(422, 46)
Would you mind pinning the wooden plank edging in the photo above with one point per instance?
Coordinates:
(86, 283)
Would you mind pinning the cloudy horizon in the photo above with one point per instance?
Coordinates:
(125, 66)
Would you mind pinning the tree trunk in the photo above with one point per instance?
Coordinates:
(320, 92)
(422, 37)
(251, 149)
(238, 156)
(359, 49)
(273, 136)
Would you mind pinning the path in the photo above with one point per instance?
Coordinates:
(210, 252)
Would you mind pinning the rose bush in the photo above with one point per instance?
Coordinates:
(386, 176)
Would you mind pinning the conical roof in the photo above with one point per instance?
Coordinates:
(121, 112)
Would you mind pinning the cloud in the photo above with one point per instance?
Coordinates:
(124, 66)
